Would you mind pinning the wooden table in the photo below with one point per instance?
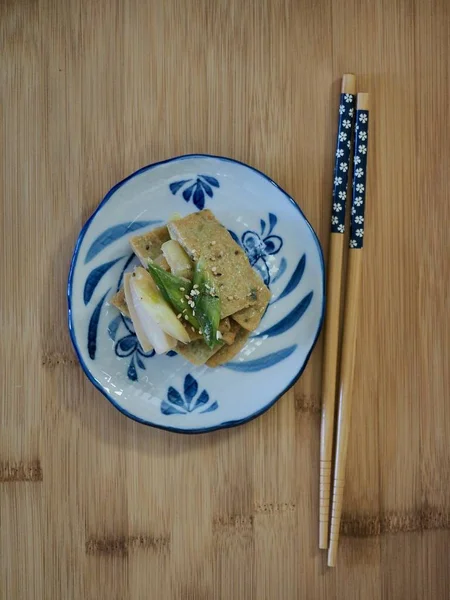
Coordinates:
(96, 506)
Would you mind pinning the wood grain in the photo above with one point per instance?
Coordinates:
(91, 91)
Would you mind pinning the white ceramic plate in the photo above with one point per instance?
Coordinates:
(167, 391)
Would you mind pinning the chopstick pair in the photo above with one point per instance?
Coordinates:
(349, 101)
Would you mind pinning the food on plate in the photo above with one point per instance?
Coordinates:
(178, 261)
(153, 310)
(198, 352)
(203, 236)
(195, 291)
(120, 302)
(132, 313)
(226, 353)
(149, 245)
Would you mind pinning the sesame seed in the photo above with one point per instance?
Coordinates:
(193, 313)
(195, 286)
(186, 317)
(230, 298)
(213, 243)
(200, 332)
(179, 316)
(186, 296)
(182, 289)
(182, 301)
(214, 269)
(193, 329)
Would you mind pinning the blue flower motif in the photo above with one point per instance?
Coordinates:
(128, 346)
(202, 185)
(259, 246)
(177, 404)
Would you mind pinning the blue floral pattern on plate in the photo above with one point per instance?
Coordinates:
(259, 246)
(188, 402)
(202, 185)
(169, 392)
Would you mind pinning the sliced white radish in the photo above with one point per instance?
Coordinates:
(140, 333)
(153, 308)
(161, 342)
(179, 262)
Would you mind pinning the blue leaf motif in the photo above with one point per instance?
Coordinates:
(211, 408)
(290, 319)
(171, 353)
(126, 345)
(174, 397)
(199, 197)
(140, 362)
(176, 185)
(263, 226)
(272, 244)
(132, 373)
(113, 327)
(188, 192)
(94, 278)
(190, 388)
(201, 400)
(251, 366)
(272, 221)
(175, 404)
(211, 180)
(206, 187)
(197, 190)
(168, 409)
(295, 278)
(112, 234)
(93, 326)
(281, 270)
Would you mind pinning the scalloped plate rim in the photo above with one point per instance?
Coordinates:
(87, 372)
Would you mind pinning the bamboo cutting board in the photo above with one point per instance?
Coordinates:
(93, 505)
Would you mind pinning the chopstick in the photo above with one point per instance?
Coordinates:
(350, 317)
(341, 175)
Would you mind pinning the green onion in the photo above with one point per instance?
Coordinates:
(175, 289)
(207, 303)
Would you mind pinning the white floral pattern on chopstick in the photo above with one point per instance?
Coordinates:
(342, 161)
(359, 179)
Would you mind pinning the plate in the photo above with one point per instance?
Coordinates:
(167, 391)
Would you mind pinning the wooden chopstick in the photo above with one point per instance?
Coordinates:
(341, 175)
(350, 317)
